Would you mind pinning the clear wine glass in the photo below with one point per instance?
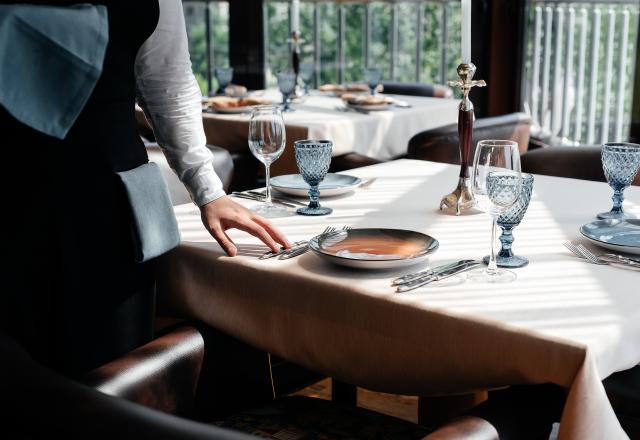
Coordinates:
(372, 77)
(267, 140)
(496, 183)
(306, 74)
(287, 85)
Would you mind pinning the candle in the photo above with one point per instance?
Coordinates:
(466, 31)
(295, 16)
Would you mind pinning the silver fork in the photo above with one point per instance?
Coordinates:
(608, 258)
(576, 251)
(586, 254)
(329, 232)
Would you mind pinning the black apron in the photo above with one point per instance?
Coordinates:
(71, 292)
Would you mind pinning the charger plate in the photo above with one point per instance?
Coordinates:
(332, 185)
(374, 248)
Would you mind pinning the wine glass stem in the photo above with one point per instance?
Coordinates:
(314, 197)
(493, 267)
(267, 174)
(617, 198)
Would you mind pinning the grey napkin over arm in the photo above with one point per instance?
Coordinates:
(155, 226)
(51, 59)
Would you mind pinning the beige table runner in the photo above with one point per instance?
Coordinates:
(562, 321)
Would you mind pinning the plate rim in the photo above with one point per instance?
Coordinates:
(422, 254)
(356, 182)
(584, 234)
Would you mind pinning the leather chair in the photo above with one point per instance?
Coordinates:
(222, 164)
(582, 162)
(176, 387)
(623, 390)
(442, 145)
(417, 89)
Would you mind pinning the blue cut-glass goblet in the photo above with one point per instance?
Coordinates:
(508, 221)
(224, 75)
(313, 159)
(372, 77)
(286, 84)
(306, 74)
(620, 162)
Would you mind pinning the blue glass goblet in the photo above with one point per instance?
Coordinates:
(508, 221)
(224, 75)
(286, 84)
(306, 74)
(372, 77)
(620, 162)
(313, 159)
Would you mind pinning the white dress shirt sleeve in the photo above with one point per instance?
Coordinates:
(171, 99)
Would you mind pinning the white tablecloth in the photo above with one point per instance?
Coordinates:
(563, 320)
(379, 134)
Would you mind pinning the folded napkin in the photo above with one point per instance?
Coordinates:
(155, 229)
(51, 60)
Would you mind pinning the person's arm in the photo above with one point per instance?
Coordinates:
(171, 99)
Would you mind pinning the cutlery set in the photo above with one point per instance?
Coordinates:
(413, 281)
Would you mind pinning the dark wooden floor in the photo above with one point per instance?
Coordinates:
(403, 407)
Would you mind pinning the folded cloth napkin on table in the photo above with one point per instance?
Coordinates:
(51, 60)
(154, 223)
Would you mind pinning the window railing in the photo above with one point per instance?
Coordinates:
(411, 40)
(578, 73)
(208, 33)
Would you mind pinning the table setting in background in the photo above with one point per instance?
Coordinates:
(378, 125)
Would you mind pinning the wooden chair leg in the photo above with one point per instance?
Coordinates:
(435, 411)
(345, 393)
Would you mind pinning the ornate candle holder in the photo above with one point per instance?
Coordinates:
(462, 198)
(295, 55)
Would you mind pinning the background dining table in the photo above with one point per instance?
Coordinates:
(563, 320)
(382, 135)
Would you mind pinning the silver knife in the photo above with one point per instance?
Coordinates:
(279, 198)
(446, 274)
(261, 199)
(429, 272)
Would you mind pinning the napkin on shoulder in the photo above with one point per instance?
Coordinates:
(51, 60)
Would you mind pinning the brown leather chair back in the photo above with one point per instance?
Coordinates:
(582, 162)
(442, 144)
(417, 89)
(162, 374)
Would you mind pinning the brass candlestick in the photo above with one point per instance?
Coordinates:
(462, 197)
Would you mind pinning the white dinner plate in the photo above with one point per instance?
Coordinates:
(371, 107)
(332, 185)
(374, 248)
(616, 235)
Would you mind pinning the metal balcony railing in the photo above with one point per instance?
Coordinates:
(579, 69)
(208, 32)
(411, 40)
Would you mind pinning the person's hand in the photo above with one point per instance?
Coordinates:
(224, 213)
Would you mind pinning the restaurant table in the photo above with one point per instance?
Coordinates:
(562, 321)
(382, 135)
